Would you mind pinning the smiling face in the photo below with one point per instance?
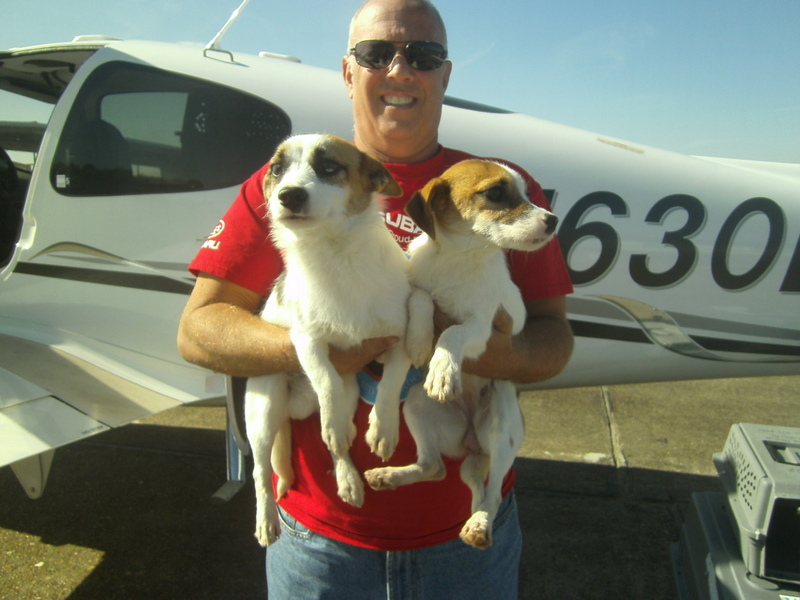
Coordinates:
(397, 109)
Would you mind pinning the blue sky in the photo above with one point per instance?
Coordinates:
(707, 77)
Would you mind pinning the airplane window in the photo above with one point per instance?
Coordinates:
(138, 130)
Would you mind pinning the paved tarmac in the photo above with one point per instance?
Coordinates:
(604, 479)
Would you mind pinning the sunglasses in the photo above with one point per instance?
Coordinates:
(379, 54)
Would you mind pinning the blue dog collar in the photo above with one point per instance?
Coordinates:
(368, 383)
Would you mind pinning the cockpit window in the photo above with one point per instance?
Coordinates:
(138, 130)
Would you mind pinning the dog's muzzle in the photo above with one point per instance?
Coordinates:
(550, 222)
(294, 199)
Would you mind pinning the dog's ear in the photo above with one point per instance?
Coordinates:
(379, 178)
(423, 204)
(419, 211)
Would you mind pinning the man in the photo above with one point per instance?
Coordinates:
(401, 543)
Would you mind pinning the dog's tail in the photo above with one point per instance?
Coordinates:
(282, 459)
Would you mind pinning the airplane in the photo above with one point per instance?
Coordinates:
(684, 267)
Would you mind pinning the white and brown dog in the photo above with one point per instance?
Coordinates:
(345, 280)
(474, 211)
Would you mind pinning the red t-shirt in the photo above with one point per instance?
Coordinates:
(413, 516)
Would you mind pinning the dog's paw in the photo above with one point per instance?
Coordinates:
(350, 488)
(382, 436)
(419, 347)
(419, 355)
(443, 382)
(381, 478)
(338, 436)
(419, 332)
(268, 529)
(477, 531)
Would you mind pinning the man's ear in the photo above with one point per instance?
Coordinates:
(347, 75)
(448, 69)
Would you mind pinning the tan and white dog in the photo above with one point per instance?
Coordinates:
(345, 280)
(470, 214)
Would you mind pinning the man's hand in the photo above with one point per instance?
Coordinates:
(540, 351)
(352, 360)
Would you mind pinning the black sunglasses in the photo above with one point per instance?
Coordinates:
(379, 54)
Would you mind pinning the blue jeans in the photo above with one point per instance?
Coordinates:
(304, 565)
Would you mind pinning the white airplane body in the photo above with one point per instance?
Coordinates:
(684, 267)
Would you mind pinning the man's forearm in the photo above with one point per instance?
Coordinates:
(228, 339)
(540, 351)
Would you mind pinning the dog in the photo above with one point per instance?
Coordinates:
(469, 216)
(345, 280)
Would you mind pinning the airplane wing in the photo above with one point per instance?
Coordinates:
(50, 396)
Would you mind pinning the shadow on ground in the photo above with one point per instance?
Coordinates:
(128, 514)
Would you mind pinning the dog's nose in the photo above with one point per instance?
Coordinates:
(550, 222)
(293, 198)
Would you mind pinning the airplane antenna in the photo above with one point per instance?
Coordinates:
(213, 45)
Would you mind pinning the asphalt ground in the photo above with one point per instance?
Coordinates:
(604, 479)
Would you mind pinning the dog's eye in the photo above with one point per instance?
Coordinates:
(276, 169)
(494, 194)
(328, 168)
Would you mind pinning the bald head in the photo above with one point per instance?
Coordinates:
(373, 10)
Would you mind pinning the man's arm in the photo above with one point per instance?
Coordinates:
(220, 330)
(540, 351)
